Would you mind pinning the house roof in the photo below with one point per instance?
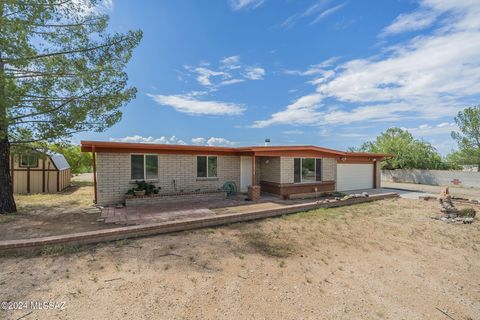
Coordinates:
(299, 151)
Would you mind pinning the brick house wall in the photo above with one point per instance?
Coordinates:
(269, 171)
(329, 169)
(114, 172)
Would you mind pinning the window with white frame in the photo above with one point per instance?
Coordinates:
(206, 166)
(28, 161)
(307, 170)
(144, 166)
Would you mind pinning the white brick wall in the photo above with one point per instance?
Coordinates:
(269, 171)
(176, 173)
(329, 169)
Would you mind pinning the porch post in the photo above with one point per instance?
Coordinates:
(254, 171)
(94, 174)
(375, 173)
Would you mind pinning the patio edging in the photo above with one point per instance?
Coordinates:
(90, 237)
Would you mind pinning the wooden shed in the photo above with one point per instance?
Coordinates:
(36, 172)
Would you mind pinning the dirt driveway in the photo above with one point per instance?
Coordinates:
(382, 260)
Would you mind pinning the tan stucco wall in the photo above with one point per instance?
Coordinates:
(113, 175)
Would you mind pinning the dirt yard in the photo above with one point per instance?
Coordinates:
(382, 260)
(52, 214)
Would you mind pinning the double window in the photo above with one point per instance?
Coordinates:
(28, 161)
(144, 166)
(206, 167)
(307, 170)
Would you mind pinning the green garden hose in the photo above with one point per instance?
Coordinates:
(230, 187)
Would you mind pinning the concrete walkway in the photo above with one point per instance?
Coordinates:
(407, 194)
(468, 193)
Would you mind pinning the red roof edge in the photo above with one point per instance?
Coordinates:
(110, 146)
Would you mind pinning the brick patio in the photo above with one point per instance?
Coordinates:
(154, 213)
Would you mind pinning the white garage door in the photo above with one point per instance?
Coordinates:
(354, 176)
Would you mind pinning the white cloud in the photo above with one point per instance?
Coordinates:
(230, 81)
(232, 62)
(255, 73)
(204, 75)
(141, 139)
(319, 6)
(245, 4)
(428, 77)
(84, 8)
(296, 131)
(193, 106)
(432, 130)
(352, 135)
(328, 12)
(410, 22)
(199, 141)
(229, 71)
(302, 112)
(212, 141)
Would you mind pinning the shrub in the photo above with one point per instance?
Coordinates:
(143, 185)
(467, 212)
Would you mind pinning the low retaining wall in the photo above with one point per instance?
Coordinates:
(174, 197)
(433, 177)
(90, 237)
(286, 190)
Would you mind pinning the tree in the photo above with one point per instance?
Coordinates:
(468, 139)
(61, 73)
(409, 152)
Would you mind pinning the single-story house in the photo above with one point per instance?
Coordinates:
(287, 171)
(38, 172)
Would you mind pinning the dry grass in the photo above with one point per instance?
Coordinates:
(51, 214)
(77, 196)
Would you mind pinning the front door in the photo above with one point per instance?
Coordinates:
(245, 173)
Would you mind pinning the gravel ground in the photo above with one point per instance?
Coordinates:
(382, 260)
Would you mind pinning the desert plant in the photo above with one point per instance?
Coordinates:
(467, 212)
(149, 188)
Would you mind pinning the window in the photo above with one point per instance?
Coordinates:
(206, 167)
(297, 164)
(307, 170)
(29, 161)
(144, 167)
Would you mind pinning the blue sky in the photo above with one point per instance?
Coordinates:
(330, 73)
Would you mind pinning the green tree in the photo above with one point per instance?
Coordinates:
(61, 73)
(468, 139)
(80, 162)
(409, 152)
